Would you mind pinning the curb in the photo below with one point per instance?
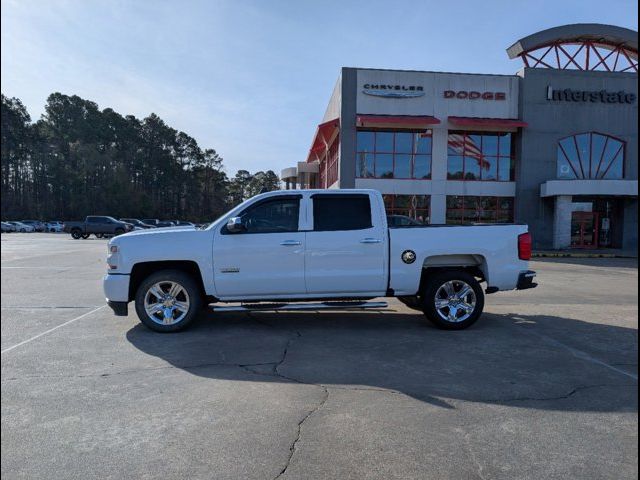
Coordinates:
(576, 255)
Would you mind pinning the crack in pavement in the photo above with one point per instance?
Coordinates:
(292, 448)
(571, 393)
(276, 373)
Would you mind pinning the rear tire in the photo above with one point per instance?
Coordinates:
(452, 300)
(99, 235)
(76, 234)
(168, 301)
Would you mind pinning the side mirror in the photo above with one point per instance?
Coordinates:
(235, 225)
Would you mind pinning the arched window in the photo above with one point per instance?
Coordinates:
(590, 156)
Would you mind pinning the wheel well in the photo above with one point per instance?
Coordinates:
(428, 271)
(140, 271)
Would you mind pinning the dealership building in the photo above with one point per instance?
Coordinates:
(554, 146)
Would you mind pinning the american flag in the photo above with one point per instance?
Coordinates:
(464, 145)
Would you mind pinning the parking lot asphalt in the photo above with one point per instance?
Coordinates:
(543, 386)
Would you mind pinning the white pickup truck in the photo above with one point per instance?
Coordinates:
(314, 249)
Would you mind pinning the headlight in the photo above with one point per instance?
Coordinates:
(113, 249)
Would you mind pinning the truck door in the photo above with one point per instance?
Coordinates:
(345, 251)
(267, 257)
(92, 224)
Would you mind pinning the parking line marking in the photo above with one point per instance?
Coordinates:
(584, 355)
(52, 329)
(41, 268)
(63, 307)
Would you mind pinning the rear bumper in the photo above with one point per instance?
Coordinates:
(525, 280)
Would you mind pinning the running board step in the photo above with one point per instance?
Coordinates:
(253, 307)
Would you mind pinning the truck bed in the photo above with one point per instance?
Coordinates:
(493, 248)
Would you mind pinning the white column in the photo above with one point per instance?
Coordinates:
(562, 222)
(438, 209)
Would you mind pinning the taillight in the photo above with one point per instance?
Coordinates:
(524, 246)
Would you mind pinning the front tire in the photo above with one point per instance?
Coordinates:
(452, 300)
(168, 301)
(119, 231)
(76, 234)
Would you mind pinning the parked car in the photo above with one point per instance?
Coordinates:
(8, 227)
(402, 221)
(182, 223)
(37, 225)
(323, 246)
(97, 225)
(137, 223)
(23, 227)
(158, 223)
(54, 226)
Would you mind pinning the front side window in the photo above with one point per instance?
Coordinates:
(590, 156)
(393, 154)
(341, 212)
(471, 209)
(485, 156)
(272, 216)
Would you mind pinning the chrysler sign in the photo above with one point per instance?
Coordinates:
(597, 96)
(393, 91)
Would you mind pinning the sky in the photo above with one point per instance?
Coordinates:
(251, 78)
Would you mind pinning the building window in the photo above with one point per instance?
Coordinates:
(393, 154)
(328, 165)
(468, 209)
(413, 206)
(590, 156)
(480, 156)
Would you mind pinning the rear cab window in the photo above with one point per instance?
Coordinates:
(339, 212)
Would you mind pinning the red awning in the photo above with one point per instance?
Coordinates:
(487, 122)
(396, 121)
(324, 133)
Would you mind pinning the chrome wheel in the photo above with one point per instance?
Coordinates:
(455, 301)
(166, 302)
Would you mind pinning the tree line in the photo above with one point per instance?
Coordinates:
(79, 160)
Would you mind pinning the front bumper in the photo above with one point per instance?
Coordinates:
(525, 280)
(116, 287)
(120, 309)
(116, 291)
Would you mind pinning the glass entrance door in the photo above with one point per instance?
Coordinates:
(584, 230)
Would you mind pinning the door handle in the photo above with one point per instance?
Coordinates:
(290, 243)
(370, 240)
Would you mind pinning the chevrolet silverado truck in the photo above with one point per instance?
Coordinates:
(97, 225)
(314, 249)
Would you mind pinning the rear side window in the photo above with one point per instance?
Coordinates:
(341, 212)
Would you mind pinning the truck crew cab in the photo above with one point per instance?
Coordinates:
(329, 247)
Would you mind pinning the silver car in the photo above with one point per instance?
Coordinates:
(23, 227)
